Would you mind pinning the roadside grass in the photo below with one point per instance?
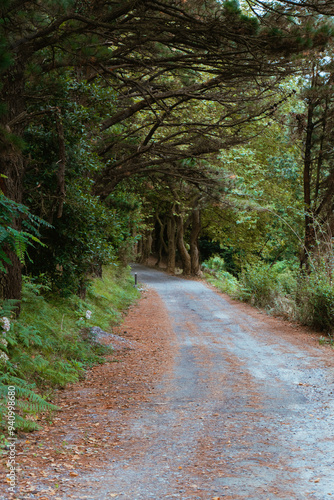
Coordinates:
(226, 283)
(49, 345)
(327, 341)
(268, 286)
(281, 289)
(111, 295)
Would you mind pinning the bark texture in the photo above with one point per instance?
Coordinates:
(184, 254)
(12, 166)
(195, 232)
(171, 235)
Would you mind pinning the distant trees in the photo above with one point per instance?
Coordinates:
(175, 222)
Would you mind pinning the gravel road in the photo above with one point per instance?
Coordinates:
(245, 412)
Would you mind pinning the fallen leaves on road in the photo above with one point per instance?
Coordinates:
(84, 425)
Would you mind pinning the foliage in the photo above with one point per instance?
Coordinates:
(326, 341)
(28, 403)
(315, 126)
(261, 214)
(214, 263)
(315, 299)
(272, 287)
(48, 346)
(126, 205)
(221, 278)
(280, 289)
(78, 244)
(17, 239)
(89, 233)
(263, 283)
(111, 295)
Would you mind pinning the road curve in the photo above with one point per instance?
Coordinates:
(244, 414)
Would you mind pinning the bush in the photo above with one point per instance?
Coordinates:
(315, 300)
(221, 278)
(260, 286)
(226, 283)
(270, 286)
(280, 289)
(214, 263)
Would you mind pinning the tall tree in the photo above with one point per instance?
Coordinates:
(315, 127)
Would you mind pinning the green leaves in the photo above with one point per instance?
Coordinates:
(17, 239)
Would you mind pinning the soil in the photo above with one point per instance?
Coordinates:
(206, 398)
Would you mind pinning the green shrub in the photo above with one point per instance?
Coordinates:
(280, 289)
(259, 284)
(269, 286)
(214, 263)
(219, 277)
(28, 403)
(226, 283)
(315, 300)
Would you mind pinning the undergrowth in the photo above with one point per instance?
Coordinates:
(281, 289)
(48, 346)
(315, 299)
(217, 275)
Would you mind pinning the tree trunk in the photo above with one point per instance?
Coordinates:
(139, 249)
(157, 264)
(195, 232)
(12, 167)
(162, 247)
(96, 270)
(309, 238)
(184, 255)
(82, 290)
(171, 235)
(146, 247)
(11, 282)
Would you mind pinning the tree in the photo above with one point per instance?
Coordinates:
(86, 233)
(260, 215)
(315, 127)
(173, 211)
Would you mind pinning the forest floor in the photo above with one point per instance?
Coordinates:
(206, 398)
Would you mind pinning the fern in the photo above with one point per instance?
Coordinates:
(46, 348)
(7, 307)
(27, 403)
(25, 425)
(17, 240)
(3, 234)
(30, 336)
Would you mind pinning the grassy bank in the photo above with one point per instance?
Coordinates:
(281, 289)
(50, 344)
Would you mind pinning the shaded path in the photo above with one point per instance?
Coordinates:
(244, 414)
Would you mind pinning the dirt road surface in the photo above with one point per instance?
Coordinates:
(242, 408)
